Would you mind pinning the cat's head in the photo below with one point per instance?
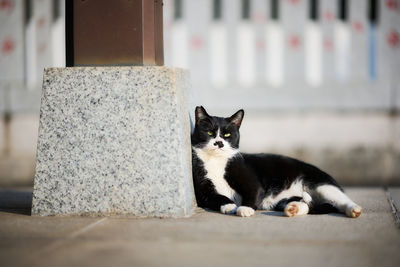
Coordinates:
(217, 135)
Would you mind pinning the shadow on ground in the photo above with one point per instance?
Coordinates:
(17, 201)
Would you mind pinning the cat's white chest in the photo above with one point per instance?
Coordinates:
(215, 172)
(215, 169)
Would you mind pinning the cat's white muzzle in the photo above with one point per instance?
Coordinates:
(214, 148)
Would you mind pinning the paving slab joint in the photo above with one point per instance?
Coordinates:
(395, 211)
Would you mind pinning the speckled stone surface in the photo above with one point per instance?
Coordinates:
(114, 140)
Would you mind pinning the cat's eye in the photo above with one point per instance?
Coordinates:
(210, 133)
(227, 135)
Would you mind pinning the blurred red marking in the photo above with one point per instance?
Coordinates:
(392, 4)
(329, 16)
(7, 5)
(393, 39)
(293, 2)
(258, 17)
(41, 22)
(196, 42)
(260, 45)
(294, 41)
(357, 26)
(328, 44)
(7, 46)
(42, 47)
(167, 25)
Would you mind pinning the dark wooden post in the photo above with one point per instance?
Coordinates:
(116, 33)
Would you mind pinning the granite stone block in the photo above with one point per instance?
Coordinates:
(114, 140)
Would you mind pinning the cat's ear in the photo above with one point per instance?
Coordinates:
(200, 114)
(237, 118)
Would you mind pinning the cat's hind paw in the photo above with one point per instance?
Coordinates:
(354, 212)
(291, 209)
(244, 211)
(228, 208)
(296, 208)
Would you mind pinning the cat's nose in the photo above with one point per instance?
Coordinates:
(219, 144)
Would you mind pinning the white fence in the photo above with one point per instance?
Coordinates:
(255, 54)
(31, 38)
(287, 54)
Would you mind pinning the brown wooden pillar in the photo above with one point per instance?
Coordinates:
(116, 33)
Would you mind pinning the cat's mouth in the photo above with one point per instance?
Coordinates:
(218, 150)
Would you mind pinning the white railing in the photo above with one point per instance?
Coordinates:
(261, 54)
(31, 38)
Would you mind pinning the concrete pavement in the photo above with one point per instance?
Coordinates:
(205, 239)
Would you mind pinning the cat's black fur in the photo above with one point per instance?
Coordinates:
(252, 176)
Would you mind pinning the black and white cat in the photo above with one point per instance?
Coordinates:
(231, 182)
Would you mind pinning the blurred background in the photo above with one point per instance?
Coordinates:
(318, 79)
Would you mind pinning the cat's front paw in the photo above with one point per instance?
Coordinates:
(228, 208)
(244, 211)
